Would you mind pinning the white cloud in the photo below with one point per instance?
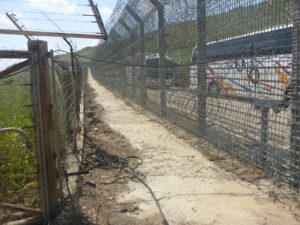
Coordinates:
(105, 13)
(5, 21)
(62, 6)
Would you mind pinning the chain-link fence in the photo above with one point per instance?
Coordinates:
(40, 128)
(225, 69)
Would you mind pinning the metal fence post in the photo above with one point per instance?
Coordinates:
(201, 65)
(42, 117)
(124, 81)
(118, 82)
(162, 54)
(295, 126)
(264, 122)
(142, 61)
(128, 29)
(139, 20)
(133, 73)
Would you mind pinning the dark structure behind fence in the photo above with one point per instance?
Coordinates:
(235, 81)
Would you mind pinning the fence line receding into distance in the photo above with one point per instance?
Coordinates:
(227, 70)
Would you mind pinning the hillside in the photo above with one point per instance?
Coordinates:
(87, 51)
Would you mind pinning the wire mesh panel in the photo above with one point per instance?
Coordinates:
(18, 167)
(226, 70)
(66, 88)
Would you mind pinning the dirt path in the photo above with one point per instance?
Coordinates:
(190, 188)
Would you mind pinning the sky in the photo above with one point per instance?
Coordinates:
(64, 15)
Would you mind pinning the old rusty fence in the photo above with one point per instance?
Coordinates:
(51, 89)
(227, 70)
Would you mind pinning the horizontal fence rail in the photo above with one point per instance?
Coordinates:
(227, 70)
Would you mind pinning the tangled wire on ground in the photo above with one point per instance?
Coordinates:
(104, 160)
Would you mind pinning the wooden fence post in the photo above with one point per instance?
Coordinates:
(42, 118)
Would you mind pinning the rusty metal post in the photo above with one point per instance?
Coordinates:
(42, 118)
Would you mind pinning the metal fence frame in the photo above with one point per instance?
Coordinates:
(128, 36)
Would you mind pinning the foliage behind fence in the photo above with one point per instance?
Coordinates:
(238, 88)
(18, 165)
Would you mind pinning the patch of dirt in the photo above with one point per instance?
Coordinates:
(102, 186)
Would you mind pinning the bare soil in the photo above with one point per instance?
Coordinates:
(102, 186)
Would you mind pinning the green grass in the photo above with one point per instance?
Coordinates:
(18, 179)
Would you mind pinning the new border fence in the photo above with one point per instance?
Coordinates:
(42, 102)
(227, 70)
